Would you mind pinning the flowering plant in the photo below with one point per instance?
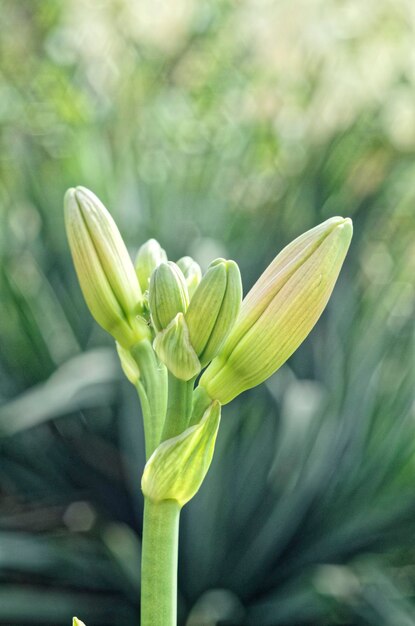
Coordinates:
(170, 324)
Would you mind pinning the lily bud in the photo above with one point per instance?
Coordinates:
(149, 256)
(280, 310)
(214, 308)
(167, 294)
(77, 622)
(177, 468)
(192, 273)
(105, 271)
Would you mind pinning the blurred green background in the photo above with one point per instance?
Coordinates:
(223, 128)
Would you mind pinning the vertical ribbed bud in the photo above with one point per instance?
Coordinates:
(149, 256)
(192, 273)
(104, 268)
(280, 310)
(214, 308)
(167, 294)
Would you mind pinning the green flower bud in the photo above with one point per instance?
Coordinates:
(105, 271)
(177, 468)
(149, 256)
(128, 364)
(167, 294)
(174, 349)
(214, 308)
(280, 310)
(192, 273)
(77, 622)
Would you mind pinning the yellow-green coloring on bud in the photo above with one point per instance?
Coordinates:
(176, 469)
(149, 256)
(77, 622)
(167, 295)
(280, 310)
(104, 268)
(214, 308)
(192, 273)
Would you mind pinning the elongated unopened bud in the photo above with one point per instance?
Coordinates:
(192, 273)
(280, 310)
(149, 256)
(104, 268)
(77, 622)
(214, 308)
(176, 469)
(167, 294)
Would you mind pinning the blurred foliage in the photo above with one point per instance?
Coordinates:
(223, 129)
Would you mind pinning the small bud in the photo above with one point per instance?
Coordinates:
(149, 256)
(167, 294)
(105, 271)
(128, 364)
(280, 310)
(177, 468)
(174, 349)
(77, 622)
(214, 308)
(192, 273)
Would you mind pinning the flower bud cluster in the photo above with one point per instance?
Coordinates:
(168, 316)
(190, 331)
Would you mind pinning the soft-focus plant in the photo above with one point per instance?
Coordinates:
(166, 337)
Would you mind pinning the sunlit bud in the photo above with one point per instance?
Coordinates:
(280, 310)
(128, 364)
(174, 349)
(149, 256)
(177, 468)
(167, 295)
(105, 271)
(214, 308)
(77, 622)
(192, 273)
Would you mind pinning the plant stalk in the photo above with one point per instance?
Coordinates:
(179, 406)
(159, 563)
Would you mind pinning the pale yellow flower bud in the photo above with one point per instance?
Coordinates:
(280, 310)
(104, 268)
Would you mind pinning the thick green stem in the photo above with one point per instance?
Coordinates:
(179, 406)
(152, 389)
(159, 563)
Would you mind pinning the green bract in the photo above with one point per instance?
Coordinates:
(174, 349)
(129, 364)
(149, 256)
(280, 310)
(178, 466)
(105, 271)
